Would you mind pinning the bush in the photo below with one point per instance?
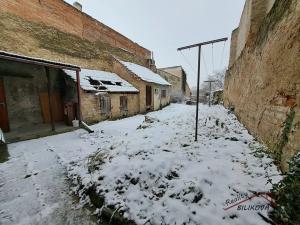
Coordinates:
(287, 196)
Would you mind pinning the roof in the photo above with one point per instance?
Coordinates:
(37, 61)
(101, 81)
(145, 74)
(171, 67)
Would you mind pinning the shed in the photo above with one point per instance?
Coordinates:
(105, 95)
(32, 95)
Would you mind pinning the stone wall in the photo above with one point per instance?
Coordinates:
(66, 18)
(263, 83)
(252, 16)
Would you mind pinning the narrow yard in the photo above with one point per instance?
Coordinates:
(148, 168)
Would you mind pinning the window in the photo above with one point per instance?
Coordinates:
(105, 105)
(123, 103)
(163, 93)
(156, 91)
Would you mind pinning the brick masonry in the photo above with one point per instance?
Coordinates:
(66, 18)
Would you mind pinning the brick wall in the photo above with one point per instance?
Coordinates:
(61, 15)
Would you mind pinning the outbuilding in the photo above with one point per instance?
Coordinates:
(104, 95)
(33, 96)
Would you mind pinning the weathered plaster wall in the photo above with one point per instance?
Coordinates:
(91, 109)
(176, 92)
(159, 101)
(132, 101)
(180, 88)
(263, 84)
(66, 18)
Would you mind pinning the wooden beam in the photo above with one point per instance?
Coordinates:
(37, 61)
(78, 96)
(49, 98)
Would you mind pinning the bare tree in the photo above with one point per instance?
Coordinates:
(219, 77)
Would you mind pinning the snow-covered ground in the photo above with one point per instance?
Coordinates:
(33, 184)
(151, 169)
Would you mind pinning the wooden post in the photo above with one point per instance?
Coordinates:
(78, 96)
(49, 98)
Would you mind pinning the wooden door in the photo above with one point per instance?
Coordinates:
(4, 125)
(148, 96)
(56, 106)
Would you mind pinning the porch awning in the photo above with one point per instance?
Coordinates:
(37, 61)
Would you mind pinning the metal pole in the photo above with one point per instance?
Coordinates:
(198, 87)
(209, 94)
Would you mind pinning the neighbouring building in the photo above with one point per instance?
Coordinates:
(104, 95)
(180, 90)
(262, 83)
(154, 90)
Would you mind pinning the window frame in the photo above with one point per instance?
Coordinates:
(123, 103)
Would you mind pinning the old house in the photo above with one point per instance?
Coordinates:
(154, 90)
(55, 31)
(177, 76)
(104, 95)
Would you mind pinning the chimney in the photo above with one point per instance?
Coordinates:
(77, 5)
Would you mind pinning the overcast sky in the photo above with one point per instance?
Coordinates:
(164, 25)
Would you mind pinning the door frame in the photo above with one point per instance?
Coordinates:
(3, 106)
(149, 98)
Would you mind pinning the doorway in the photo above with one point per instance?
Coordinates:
(148, 97)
